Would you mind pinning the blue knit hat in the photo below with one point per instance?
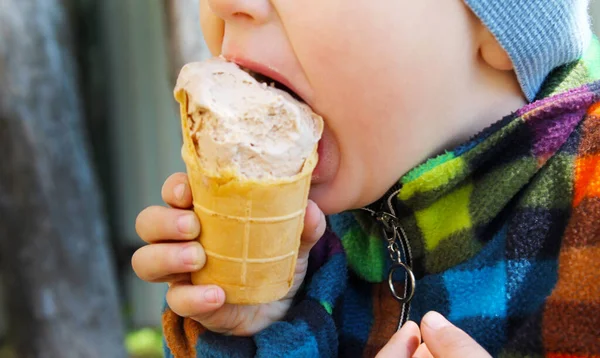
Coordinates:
(539, 35)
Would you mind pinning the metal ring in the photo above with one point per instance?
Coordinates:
(394, 251)
(388, 220)
(411, 281)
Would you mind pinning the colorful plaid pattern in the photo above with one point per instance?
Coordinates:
(505, 237)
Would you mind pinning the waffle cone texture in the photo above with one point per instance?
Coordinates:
(251, 228)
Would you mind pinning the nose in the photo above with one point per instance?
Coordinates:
(237, 10)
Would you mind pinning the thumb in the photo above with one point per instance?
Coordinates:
(314, 228)
(403, 343)
(445, 340)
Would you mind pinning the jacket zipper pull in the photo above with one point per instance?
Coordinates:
(397, 247)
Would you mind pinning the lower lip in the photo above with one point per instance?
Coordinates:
(327, 165)
(318, 167)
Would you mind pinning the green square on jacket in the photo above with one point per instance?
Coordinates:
(435, 225)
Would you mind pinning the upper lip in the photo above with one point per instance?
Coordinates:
(267, 71)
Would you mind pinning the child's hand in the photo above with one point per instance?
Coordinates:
(173, 254)
(441, 339)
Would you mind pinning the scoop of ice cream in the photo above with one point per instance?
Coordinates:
(239, 124)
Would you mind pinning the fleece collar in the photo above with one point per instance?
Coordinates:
(448, 206)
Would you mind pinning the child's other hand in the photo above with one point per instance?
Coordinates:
(441, 339)
(172, 254)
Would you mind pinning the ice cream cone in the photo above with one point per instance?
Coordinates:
(250, 227)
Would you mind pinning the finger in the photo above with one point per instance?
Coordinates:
(422, 352)
(156, 262)
(176, 191)
(314, 228)
(197, 302)
(403, 343)
(444, 340)
(174, 278)
(157, 223)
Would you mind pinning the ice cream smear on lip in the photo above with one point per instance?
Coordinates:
(243, 126)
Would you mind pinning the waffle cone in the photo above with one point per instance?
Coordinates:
(250, 228)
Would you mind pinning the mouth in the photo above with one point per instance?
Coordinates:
(271, 77)
(267, 74)
(262, 78)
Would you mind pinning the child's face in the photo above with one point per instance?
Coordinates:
(390, 77)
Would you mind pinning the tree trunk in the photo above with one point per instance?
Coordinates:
(58, 273)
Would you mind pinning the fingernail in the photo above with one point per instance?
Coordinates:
(179, 190)
(212, 295)
(191, 255)
(435, 320)
(187, 224)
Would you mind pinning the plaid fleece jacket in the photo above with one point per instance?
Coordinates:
(504, 233)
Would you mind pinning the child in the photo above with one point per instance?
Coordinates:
(459, 169)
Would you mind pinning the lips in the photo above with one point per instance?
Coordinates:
(328, 160)
(328, 163)
(316, 175)
(267, 74)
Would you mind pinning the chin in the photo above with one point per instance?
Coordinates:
(330, 200)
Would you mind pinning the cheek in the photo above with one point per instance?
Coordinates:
(378, 54)
(213, 28)
(362, 72)
(354, 89)
(374, 81)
